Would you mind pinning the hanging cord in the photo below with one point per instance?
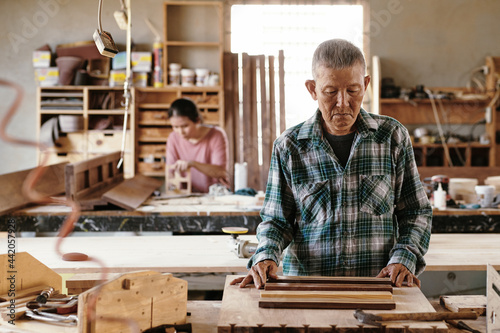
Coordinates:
(440, 129)
(99, 24)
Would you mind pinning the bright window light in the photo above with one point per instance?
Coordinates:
(297, 30)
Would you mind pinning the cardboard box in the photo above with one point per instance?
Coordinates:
(47, 77)
(117, 78)
(41, 59)
(141, 61)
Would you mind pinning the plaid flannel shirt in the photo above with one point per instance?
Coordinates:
(350, 221)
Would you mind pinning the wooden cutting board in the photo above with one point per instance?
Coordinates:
(240, 312)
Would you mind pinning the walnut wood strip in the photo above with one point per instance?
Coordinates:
(360, 295)
(286, 303)
(332, 279)
(327, 286)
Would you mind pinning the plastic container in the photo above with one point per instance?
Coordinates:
(174, 74)
(485, 195)
(439, 198)
(201, 76)
(463, 189)
(187, 77)
(240, 176)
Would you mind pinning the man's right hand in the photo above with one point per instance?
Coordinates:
(258, 274)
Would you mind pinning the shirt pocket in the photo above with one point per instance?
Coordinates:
(376, 194)
(315, 200)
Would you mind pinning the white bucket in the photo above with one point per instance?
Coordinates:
(240, 176)
(187, 77)
(201, 76)
(485, 195)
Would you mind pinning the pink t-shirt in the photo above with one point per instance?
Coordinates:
(211, 149)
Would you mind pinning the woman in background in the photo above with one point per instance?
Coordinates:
(193, 145)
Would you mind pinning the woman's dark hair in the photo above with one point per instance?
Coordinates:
(184, 107)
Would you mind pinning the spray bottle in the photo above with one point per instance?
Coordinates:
(157, 57)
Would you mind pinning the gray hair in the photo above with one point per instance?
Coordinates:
(337, 54)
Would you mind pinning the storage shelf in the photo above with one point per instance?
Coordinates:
(458, 111)
(193, 43)
(106, 112)
(63, 111)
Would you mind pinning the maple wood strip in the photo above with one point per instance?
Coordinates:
(321, 303)
(327, 286)
(327, 294)
(332, 279)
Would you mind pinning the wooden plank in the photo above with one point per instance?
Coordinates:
(240, 312)
(456, 303)
(281, 61)
(272, 102)
(131, 193)
(347, 294)
(265, 117)
(28, 272)
(231, 107)
(322, 303)
(327, 286)
(11, 195)
(333, 279)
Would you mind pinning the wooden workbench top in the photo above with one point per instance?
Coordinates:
(211, 253)
(196, 205)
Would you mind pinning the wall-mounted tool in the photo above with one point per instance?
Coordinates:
(242, 248)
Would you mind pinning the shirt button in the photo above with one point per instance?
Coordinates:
(346, 233)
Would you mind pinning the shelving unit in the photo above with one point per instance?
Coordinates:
(96, 124)
(193, 35)
(457, 112)
(153, 126)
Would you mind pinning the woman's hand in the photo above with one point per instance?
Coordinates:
(181, 166)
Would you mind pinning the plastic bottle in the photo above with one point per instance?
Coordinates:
(439, 197)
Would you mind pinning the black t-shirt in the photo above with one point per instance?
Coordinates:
(341, 145)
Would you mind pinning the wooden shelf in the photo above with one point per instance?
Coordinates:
(467, 112)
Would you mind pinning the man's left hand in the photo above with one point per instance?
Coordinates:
(398, 274)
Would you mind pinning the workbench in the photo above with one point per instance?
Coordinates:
(191, 215)
(203, 317)
(205, 215)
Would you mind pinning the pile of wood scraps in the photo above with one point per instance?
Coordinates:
(99, 181)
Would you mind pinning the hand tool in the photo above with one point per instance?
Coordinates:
(52, 318)
(461, 325)
(44, 295)
(375, 319)
(57, 303)
(242, 248)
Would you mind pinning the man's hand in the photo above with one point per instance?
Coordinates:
(398, 274)
(258, 274)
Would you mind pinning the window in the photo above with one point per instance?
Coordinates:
(297, 30)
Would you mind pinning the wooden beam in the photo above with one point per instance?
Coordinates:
(11, 195)
(327, 286)
(322, 303)
(281, 61)
(131, 193)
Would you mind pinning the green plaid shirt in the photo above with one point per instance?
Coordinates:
(350, 221)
